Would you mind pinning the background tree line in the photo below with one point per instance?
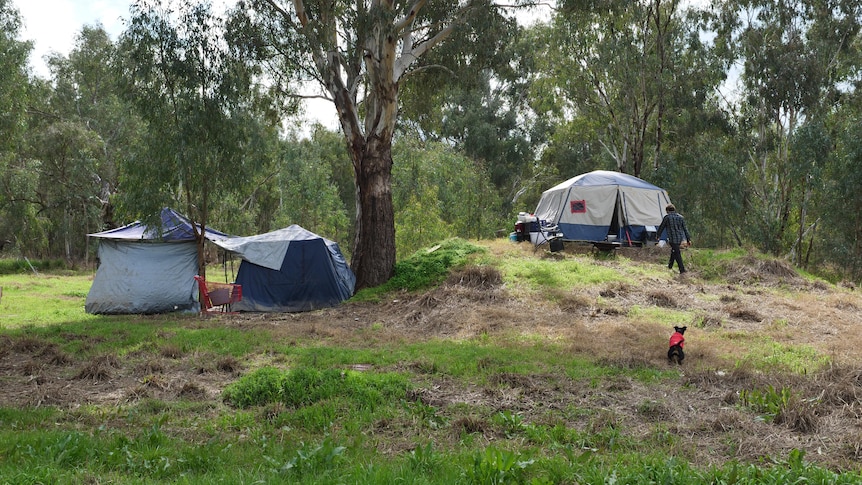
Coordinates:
(747, 112)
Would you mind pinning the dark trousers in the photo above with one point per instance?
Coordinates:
(675, 255)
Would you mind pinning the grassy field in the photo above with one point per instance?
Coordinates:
(500, 365)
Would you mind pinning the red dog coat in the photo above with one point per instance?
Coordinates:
(677, 339)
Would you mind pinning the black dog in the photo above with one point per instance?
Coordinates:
(677, 342)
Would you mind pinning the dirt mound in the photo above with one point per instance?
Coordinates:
(751, 270)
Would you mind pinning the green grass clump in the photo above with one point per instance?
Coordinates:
(260, 387)
(425, 268)
(307, 386)
(766, 355)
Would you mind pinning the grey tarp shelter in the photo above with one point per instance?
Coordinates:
(147, 270)
(598, 204)
(289, 270)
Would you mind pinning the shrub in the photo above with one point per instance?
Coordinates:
(428, 267)
(260, 387)
(306, 386)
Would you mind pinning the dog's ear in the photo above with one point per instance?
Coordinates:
(683, 329)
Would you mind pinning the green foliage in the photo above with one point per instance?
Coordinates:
(769, 402)
(587, 65)
(317, 460)
(262, 386)
(842, 202)
(302, 387)
(419, 223)
(310, 187)
(496, 467)
(14, 83)
(425, 268)
(439, 193)
(21, 266)
(364, 390)
(513, 424)
(426, 414)
(189, 72)
(49, 159)
(424, 459)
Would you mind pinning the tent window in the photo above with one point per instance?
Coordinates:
(578, 206)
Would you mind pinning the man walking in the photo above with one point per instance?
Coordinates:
(677, 232)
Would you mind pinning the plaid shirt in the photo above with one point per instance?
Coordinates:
(676, 230)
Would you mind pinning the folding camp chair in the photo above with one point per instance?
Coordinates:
(550, 235)
(217, 297)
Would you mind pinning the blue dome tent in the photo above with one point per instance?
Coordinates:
(289, 270)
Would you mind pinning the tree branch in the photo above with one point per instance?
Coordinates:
(407, 58)
(410, 17)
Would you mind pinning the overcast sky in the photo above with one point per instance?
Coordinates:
(53, 24)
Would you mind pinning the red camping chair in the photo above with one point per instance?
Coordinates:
(217, 297)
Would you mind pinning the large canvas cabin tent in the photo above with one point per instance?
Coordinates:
(289, 270)
(598, 204)
(147, 269)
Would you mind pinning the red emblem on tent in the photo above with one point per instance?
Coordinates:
(578, 206)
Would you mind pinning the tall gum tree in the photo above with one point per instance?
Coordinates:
(619, 64)
(799, 62)
(15, 93)
(189, 73)
(360, 52)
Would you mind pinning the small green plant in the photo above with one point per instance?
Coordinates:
(512, 423)
(496, 466)
(310, 460)
(423, 459)
(425, 414)
(769, 402)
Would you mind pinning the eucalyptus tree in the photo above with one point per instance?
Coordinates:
(14, 78)
(841, 200)
(361, 53)
(78, 134)
(617, 64)
(191, 75)
(16, 214)
(483, 110)
(799, 59)
(86, 92)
